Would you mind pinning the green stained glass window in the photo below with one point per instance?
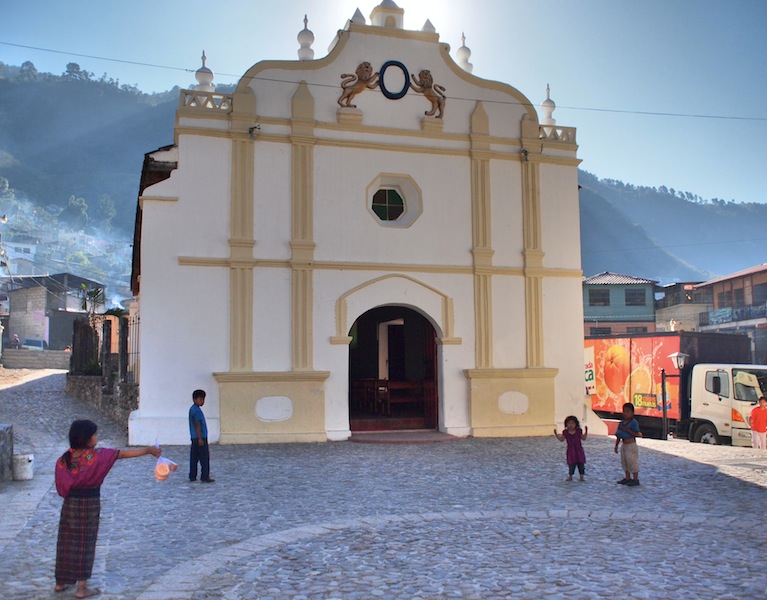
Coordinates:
(388, 204)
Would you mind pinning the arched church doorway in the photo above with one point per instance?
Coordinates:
(392, 371)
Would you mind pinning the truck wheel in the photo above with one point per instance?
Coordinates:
(706, 434)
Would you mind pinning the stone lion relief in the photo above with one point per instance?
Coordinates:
(423, 83)
(363, 79)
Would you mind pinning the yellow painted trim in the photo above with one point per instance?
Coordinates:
(544, 272)
(529, 373)
(402, 34)
(240, 257)
(193, 261)
(302, 228)
(349, 120)
(143, 199)
(533, 254)
(269, 376)
(436, 150)
(202, 261)
(447, 318)
(273, 438)
(481, 233)
(487, 386)
(241, 392)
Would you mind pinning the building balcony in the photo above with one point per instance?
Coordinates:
(196, 100)
(731, 315)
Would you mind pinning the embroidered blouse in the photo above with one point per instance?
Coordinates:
(87, 470)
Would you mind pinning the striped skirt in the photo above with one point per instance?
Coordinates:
(76, 547)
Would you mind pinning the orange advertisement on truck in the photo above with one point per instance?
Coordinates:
(627, 368)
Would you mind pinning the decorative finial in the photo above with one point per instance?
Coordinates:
(464, 54)
(358, 18)
(305, 39)
(204, 77)
(547, 108)
(428, 27)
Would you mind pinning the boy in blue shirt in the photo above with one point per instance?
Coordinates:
(198, 431)
(628, 432)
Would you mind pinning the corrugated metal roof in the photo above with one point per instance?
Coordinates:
(743, 273)
(608, 278)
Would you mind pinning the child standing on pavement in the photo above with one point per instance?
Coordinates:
(198, 431)
(628, 432)
(759, 425)
(576, 457)
(79, 473)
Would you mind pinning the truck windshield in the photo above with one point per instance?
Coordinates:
(750, 384)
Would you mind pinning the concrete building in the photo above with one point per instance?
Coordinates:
(373, 239)
(45, 307)
(680, 306)
(615, 304)
(739, 306)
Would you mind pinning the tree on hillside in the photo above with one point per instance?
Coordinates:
(28, 72)
(105, 212)
(75, 73)
(75, 214)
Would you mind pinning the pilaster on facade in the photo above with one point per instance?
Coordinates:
(533, 251)
(241, 319)
(302, 228)
(482, 250)
(241, 245)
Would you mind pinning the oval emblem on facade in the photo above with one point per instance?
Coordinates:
(274, 408)
(513, 403)
(382, 80)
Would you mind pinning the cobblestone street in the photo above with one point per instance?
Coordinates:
(473, 518)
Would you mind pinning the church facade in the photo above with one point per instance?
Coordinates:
(376, 239)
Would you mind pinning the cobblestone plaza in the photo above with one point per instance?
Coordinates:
(491, 518)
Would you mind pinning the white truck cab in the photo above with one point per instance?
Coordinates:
(721, 399)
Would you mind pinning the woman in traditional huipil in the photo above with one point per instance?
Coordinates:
(79, 474)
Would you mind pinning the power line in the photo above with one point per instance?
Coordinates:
(456, 98)
(117, 60)
(666, 246)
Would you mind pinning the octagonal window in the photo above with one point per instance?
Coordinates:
(394, 200)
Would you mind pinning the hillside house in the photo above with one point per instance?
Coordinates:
(376, 239)
(615, 304)
(45, 307)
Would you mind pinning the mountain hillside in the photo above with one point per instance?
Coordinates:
(713, 236)
(71, 151)
(63, 138)
(610, 242)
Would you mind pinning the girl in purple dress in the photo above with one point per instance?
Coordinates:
(576, 457)
(79, 474)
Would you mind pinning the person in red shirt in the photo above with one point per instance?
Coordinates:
(759, 425)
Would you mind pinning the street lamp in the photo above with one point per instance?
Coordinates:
(678, 359)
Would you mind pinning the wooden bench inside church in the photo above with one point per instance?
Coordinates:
(378, 396)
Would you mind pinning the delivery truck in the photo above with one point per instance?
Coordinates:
(709, 400)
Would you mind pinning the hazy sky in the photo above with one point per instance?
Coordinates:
(662, 92)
